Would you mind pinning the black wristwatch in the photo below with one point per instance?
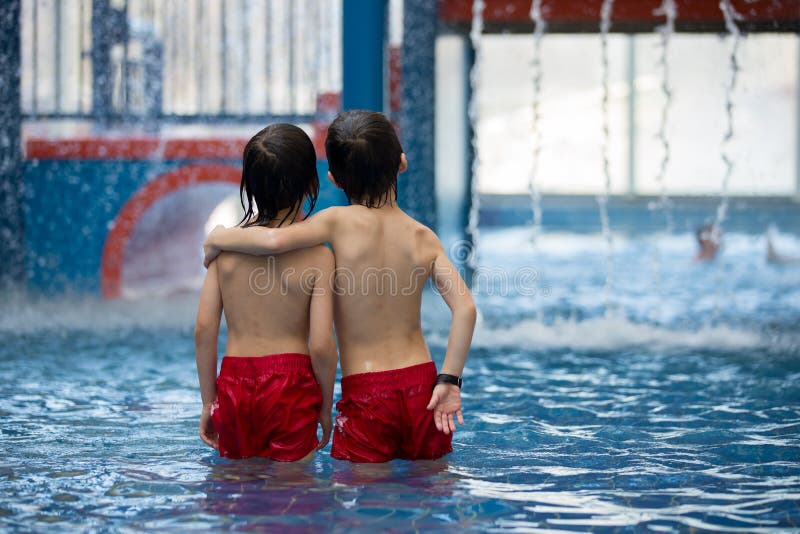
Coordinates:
(449, 379)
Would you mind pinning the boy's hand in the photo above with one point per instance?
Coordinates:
(446, 401)
(207, 432)
(326, 421)
(210, 250)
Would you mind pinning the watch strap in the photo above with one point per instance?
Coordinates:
(449, 379)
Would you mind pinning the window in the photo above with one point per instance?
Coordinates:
(765, 114)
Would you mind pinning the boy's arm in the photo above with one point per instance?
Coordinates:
(209, 312)
(259, 240)
(446, 398)
(321, 342)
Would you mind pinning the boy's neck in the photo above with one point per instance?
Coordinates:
(283, 218)
(389, 204)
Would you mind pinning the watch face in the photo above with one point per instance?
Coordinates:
(449, 379)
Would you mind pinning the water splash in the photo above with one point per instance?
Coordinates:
(731, 16)
(602, 199)
(475, 36)
(616, 334)
(540, 26)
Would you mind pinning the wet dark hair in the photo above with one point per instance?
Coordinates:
(279, 171)
(364, 155)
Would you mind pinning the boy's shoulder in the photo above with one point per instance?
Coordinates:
(350, 210)
(338, 216)
(358, 217)
(422, 233)
(427, 242)
(348, 217)
(333, 211)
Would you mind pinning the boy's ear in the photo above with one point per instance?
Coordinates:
(333, 180)
(403, 163)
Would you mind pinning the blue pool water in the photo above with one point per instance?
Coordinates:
(678, 408)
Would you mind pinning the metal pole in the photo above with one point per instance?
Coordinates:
(292, 59)
(223, 105)
(102, 41)
(469, 135)
(57, 54)
(244, 67)
(12, 221)
(35, 58)
(416, 188)
(363, 40)
(126, 86)
(268, 57)
(199, 57)
(82, 46)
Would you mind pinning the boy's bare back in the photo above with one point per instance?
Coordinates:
(383, 259)
(267, 299)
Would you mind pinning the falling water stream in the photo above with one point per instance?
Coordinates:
(475, 36)
(539, 27)
(731, 16)
(669, 10)
(602, 199)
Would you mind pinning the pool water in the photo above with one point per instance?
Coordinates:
(669, 402)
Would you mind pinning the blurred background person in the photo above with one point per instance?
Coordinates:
(775, 257)
(709, 240)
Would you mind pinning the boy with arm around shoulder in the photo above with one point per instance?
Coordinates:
(276, 379)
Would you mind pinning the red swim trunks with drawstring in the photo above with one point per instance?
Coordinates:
(383, 415)
(267, 406)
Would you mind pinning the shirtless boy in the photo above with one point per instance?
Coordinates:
(276, 380)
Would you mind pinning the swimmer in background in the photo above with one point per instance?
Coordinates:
(773, 256)
(276, 380)
(709, 239)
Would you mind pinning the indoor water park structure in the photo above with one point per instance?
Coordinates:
(617, 180)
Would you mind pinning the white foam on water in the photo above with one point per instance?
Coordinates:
(20, 314)
(570, 290)
(614, 333)
(516, 241)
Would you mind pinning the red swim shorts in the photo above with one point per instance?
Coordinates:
(267, 406)
(383, 415)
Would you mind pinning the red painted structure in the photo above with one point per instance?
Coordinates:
(136, 148)
(201, 161)
(574, 16)
(142, 148)
(139, 203)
